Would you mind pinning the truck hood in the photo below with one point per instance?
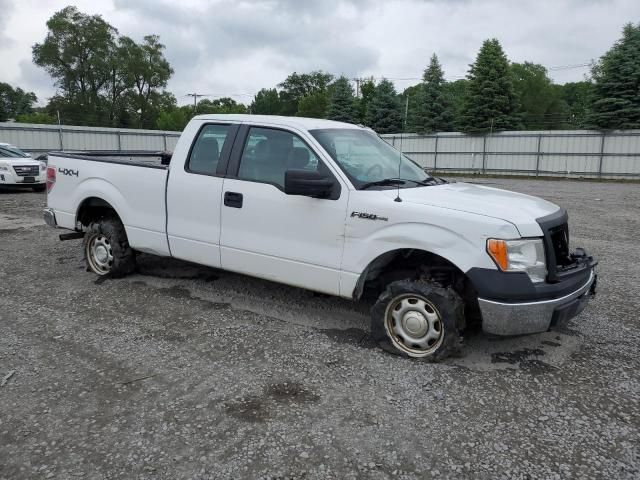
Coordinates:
(516, 208)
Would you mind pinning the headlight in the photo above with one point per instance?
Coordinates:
(4, 168)
(43, 166)
(519, 256)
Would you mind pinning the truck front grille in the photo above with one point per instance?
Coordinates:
(559, 239)
(555, 228)
(27, 170)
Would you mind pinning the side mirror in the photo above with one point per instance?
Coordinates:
(307, 183)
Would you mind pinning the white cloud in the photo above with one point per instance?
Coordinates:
(235, 47)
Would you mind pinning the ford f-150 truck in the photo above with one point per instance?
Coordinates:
(18, 169)
(331, 207)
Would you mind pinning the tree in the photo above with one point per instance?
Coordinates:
(150, 73)
(37, 117)
(456, 92)
(383, 114)
(433, 110)
(616, 93)
(578, 98)
(174, 120)
(102, 78)
(76, 53)
(491, 102)
(296, 86)
(15, 102)
(220, 105)
(314, 105)
(367, 92)
(341, 107)
(416, 107)
(541, 104)
(266, 102)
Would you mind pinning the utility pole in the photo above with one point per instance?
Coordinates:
(195, 100)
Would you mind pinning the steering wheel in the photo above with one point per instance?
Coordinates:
(374, 169)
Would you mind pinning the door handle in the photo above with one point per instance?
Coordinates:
(233, 199)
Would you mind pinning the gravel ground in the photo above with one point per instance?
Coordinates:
(180, 371)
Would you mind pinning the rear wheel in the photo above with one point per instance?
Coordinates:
(418, 319)
(106, 248)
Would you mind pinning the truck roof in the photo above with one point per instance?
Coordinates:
(299, 122)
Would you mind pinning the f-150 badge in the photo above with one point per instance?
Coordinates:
(369, 216)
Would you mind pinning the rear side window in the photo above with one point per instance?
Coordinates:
(205, 153)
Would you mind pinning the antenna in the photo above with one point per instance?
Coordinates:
(406, 114)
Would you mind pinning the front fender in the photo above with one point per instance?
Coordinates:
(461, 241)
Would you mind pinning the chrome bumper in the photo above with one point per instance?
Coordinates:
(533, 317)
(50, 217)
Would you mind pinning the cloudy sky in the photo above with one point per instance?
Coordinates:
(235, 47)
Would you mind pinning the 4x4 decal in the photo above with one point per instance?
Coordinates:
(68, 171)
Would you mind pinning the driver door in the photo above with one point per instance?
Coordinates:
(266, 233)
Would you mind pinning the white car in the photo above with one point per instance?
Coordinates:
(18, 169)
(333, 208)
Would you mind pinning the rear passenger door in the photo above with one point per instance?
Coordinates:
(266, 233)
(194, 194)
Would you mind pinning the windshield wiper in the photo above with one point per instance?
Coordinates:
(383, 183)
(399, 181)
(427, 182)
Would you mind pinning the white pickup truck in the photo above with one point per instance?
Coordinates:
(18, 169)
(331, 207)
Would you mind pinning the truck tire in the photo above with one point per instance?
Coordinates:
(418, 319)
(106, 248)
(40, 188)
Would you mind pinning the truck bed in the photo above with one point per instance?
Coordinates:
(132, 183)
(139, 158)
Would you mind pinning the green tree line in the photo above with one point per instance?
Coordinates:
(107, 79)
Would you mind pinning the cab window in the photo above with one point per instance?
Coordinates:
(205, 153)
(268, 153)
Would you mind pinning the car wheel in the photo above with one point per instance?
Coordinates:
(418, 319)
(106, 248)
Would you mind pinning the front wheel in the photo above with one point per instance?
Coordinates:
(418, 319)
(106, 248)
(39, 188)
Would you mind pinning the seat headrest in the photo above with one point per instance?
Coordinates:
(298, 158)
(207, 150)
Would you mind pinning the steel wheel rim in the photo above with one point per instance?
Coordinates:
(99, 254)
(414, 325)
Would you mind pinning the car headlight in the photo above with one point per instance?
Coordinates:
(43, 166)
(4, 168)
(519, 256)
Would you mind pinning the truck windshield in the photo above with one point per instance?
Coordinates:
(370, 161)
(12, 152)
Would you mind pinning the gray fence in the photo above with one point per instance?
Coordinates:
(573, 153)
(44, 138)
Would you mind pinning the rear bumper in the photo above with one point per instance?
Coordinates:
(50, 217)
(519, 318)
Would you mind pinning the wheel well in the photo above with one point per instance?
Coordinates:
(94, 208)
(413, 264)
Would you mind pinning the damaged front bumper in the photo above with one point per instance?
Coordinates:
(519, 318)
(510, 304)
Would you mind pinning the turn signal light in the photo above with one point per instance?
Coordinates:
(498, 251)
